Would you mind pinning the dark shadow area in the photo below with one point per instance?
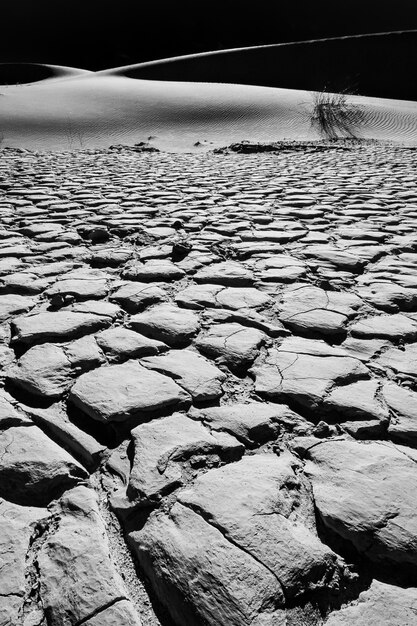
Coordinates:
(99, 34)
(17, 486)
(105, 433)
(402, 575)
(248, 147)
(111, 434)
(26, 397)
(21, 73)
(135, 520)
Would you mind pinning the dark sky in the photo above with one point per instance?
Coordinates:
(97, 34)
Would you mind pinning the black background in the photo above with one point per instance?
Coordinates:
(98, 34)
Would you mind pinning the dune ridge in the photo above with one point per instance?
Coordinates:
(375, 64)
(199, 55)
(27, 73)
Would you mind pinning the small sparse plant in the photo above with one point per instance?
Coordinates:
(335, 116)
(74, 137)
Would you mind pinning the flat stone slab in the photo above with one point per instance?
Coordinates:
(23, 283)
(248, 318)
(236, 345)
(121, 612)
(359, 400)
(385, 327)
(254, 422)
(84, 354)
(235, 298)
(12, 304)
(311, 309)
(43, 371)
(95, 307)
(208, 578)
(340, 259)
(110, 257)
(359, 491)
(167, 323)
(120, 343)
(401, 361)
(389, 296)
(198, 296)
(135, 296)
(363, 349)
(283, 274)
(9, 414)
(403, 404)
(304, 378)
(313, 347)
(275, 235)
(48, 370)
(80, 289)
(242, 298)
(263, 506)
(59, 326)
(16, 529)
(34, 469)
(118, 392)
(73, 528)
(228, 273)
(281, 268)
(163, 446)
(194, 373)
(153, 271)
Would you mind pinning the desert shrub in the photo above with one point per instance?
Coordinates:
(335, 116)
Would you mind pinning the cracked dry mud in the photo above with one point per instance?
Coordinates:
(208, 404)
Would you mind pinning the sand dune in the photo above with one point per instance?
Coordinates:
(67, 108)
(99, 110)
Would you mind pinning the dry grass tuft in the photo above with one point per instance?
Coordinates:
(335, 116)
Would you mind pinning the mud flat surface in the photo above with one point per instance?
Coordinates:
(208, 404)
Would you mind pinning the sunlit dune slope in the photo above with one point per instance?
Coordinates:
(99, 110)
